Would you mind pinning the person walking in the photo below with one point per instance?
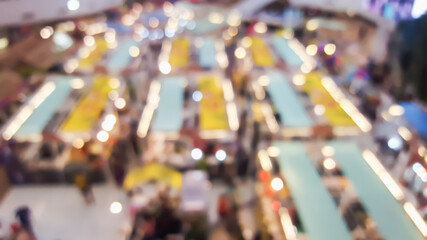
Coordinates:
(82, 183)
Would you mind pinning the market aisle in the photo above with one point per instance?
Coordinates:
(60, 213)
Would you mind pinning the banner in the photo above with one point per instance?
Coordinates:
(213, 115)
(180, 52)
(261, 53)
(335, 115)
(88, 109)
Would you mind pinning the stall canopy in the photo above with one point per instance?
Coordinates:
(318, 94)
(416, 116)
(120, 57)
(385, 210)
(286, 101)
(45, 111)
(285, 52)
(168, 116)
(213, 115)
(207, 54)
(261, 54)
(315, 205)
(153, 172)
(179, 55)
(88, 109)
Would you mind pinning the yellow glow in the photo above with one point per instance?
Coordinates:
(134, 51)
(46, 32)
(127, 20)
(386, 116)
(77, 83)
(153, 99)
(312, 24)
(216, 18)
(299, 49)
(67, 26)
(396, 110)
(4, 42)
(71, 65)
(263, 80)
(233, 120)
(120, 103)
(260, 27)
(277, 184)
(78, 143)
(165, 67)
(153, 22)
(328, 151)
(311, 49)
(89, 41)
(382, 173)
(319, 109)
(168, 7)
(114, 83)
(259, 92)
(273, 151)
(298, 79)
(240, 53)
(288, 33)
(404, 133)
(287, 225)
(346, 105)
(109, 122)
(330, 48)
(305, 68)
(415, 217)
(232, 31)
(96, 28)
(221, 56)
(110, 35)
(272, 124)
(13, 125)
(421, 151)
(329, 164)
(102, 136)
(234, 19)
(246, 42)
(265, 161)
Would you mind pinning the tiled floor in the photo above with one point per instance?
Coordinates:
(59, 212)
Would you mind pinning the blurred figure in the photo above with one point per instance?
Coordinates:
(23, 216)
(85, 188)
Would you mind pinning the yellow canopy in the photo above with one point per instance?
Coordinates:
(153, 171)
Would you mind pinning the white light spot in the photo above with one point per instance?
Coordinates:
(329, 164)
(395, 143)
(196, 154)
(311, 49)
(277, 184)
(77, 83)
(220, 155)
(260, 27)
(78, 143)
(102, 136)
(240, 53)
(46, 32)
(319, 109)
(330, 48)
(197, 96)
(328, 151)
(73, 5)
(120, 103)
(116, 208)
(134, 51)
(165, 67)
